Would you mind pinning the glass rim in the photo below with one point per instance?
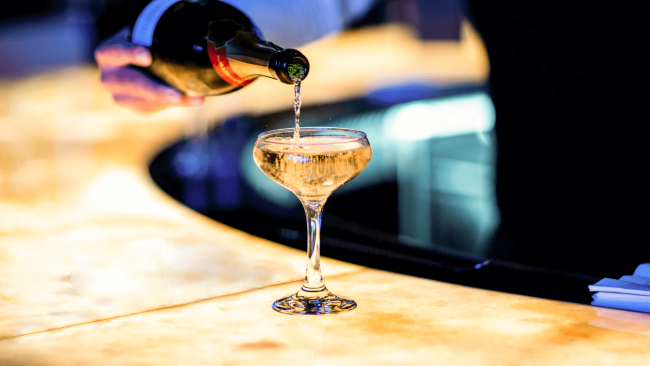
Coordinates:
(266, 134)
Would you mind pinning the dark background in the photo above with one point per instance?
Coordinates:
(570, 168)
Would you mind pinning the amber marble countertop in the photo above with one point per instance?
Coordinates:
(97, 266)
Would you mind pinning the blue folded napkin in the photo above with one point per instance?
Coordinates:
(628, 292)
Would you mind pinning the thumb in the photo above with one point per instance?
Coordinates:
(116, 55)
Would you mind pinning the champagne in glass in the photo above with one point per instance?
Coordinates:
(312, 167)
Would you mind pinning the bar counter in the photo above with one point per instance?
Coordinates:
(98, 266)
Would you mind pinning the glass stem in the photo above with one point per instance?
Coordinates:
(313, 277)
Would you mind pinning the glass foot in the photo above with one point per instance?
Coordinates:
(313, 303)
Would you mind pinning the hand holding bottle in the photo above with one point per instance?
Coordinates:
(131, 87)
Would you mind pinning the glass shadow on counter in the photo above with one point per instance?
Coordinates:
(424, 206)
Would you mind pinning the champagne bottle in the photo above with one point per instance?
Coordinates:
(207, 47)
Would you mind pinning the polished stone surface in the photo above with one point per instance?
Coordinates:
(400, 320)
(97, 266)
(85, 234)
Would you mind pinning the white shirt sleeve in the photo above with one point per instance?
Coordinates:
(292, 23)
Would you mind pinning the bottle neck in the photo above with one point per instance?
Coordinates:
(249, 56)
(245, 57)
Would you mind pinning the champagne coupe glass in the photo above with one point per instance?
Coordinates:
(322, 160)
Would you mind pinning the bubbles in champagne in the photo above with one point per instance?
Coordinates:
(314, 168)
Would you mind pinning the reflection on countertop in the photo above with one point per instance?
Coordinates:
(315, 333)
(621, 320)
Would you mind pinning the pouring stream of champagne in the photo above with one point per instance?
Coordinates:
(296, 108)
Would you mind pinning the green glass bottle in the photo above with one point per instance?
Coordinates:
(207, 47)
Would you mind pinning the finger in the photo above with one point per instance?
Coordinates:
(138, 104)
(132, 82)
(148, 106)
(116, 55)
(169, 97)
(164, 96)
(119, 51)
(192, 101)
